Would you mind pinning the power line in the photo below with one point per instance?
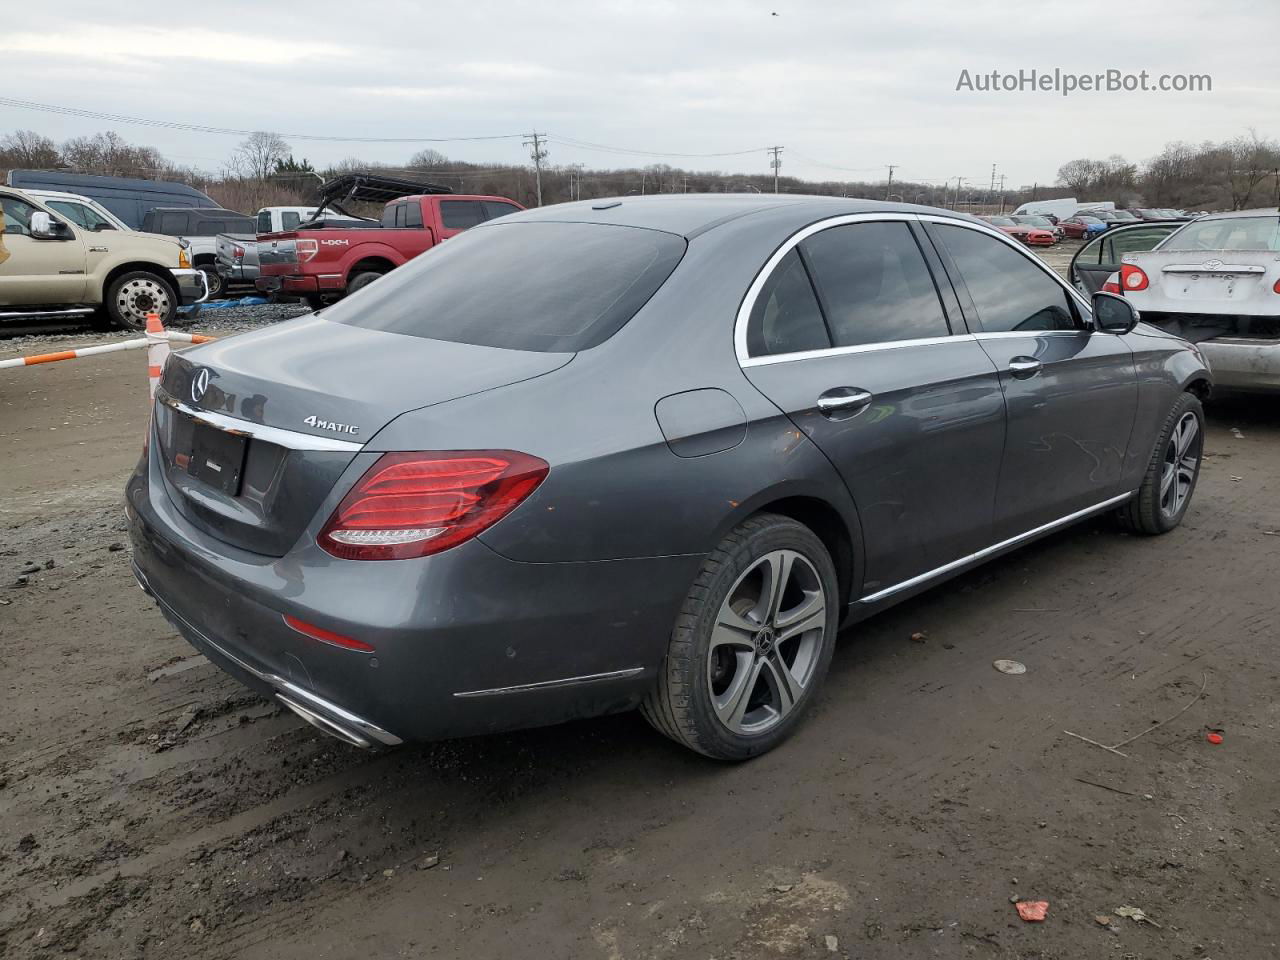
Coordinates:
(233, 131)
(605, 148)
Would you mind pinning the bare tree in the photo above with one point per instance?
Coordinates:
(427, 159)
(110, 154)
(258, 154)
(1079, 175)
(1249, 160)
(26, 148)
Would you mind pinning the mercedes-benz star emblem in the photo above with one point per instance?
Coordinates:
(200, 384)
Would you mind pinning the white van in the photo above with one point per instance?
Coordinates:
(1062, 208)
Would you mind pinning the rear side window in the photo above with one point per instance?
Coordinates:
(173, 223)
(549, 287)
(493, 208)
(874, 284)
(786, 317)
(413, 216)
(389, 215)
(461, 214)
(289, 219)
(1009, 292)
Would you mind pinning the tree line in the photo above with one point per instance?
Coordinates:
(263, 171)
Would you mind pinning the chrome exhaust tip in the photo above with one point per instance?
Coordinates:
(325, 725)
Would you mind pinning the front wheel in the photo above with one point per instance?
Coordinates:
(752, 642)
(1162, 500)
(131, 296)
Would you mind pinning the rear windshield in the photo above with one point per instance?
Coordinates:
(548, 287)
(1229, 233)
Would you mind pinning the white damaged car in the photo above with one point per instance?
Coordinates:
(1216, 282)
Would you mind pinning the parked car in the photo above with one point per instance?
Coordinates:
(128, 198)
(1095, 266)
(320, 261)
(550, 470)
(59, 268)
(1082, 226)
(237, 255)
(1216, 282)
(200, 228)
(1039, 222)
(1032, 236)
(1155, 214)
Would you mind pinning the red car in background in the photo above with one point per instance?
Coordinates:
(1031, 236)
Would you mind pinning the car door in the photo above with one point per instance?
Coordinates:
(39, 272)
(1070, 394)
(847, 331)
(1100, 257)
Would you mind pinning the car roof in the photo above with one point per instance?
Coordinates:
(689, 214)
(1234, 214)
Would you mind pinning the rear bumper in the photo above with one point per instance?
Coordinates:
(304, 283)
(1243, 364)
(238, 273)
(466, 642)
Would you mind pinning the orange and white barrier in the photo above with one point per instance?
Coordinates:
(157, 343)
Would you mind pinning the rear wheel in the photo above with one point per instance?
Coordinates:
(1162, 500)
(361, 280)
(752, 643)
(313, 300)
(131, 296)
(217, 283)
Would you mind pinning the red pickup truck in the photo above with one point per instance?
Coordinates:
(322, 260)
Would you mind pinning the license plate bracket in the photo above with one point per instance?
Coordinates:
(217, 458)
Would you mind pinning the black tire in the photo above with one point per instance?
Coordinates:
(362, 280)
(132, 295)
(217, 282)
(1151, 511)
(313, 300)
(681, 704)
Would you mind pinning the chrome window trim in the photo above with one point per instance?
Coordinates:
(753, 292)
(859, 348)
(994, 548)
(290, 439)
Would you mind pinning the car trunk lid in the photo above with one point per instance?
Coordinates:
(254, 431)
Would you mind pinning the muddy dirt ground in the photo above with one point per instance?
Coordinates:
(152, 808)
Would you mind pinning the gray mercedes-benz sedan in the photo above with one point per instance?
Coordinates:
(644, 452)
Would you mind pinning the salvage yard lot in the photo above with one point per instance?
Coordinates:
(152, 807)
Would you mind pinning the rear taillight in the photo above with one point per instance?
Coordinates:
(306, 249)
(237, 252)
(416, 504)
(1276, 288)
(1132, 278)
(1113, 284)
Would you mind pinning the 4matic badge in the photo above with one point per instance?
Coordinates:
(320, 424)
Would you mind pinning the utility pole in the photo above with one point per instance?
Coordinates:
(1002, 193)
(684, 181)
(539, 153)
(889, 187)
(776, 163)
(992, 189)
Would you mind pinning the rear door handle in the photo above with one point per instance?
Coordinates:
(843, 401)
(1024, 368)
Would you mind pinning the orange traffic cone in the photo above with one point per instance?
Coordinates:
(157, 350)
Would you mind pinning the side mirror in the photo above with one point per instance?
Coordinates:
(44, 227)
(1113, 313)
(102, 225)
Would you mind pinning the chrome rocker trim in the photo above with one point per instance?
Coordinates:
(994, 549)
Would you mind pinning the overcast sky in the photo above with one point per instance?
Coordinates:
(857, 85)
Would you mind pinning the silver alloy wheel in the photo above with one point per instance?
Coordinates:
(1181, 463)
(766, 642)
(141, 296)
